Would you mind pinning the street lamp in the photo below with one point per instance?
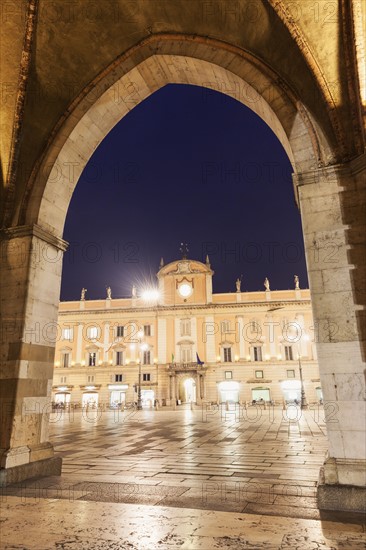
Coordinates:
(304, 403)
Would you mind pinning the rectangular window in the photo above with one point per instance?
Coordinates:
(288, 353)
(92, 359)
(290, 374)
(185, 327)
(227, 355)
(92, 333)
(225, 326)
(63, 379)
(66, 360)
(67, 334)
(146, 358)
(228, 374)
(120, 331)
(186, 355)
(118, 377)
(146, 377)
(119, 358)
(91, 378)
(147, 330)
(257, 353)
(259, 374)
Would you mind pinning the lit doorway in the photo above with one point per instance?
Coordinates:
(117, 399)
(62, 400)
(147, 397)
(90, 400)
(229, 392)
(291, 390)
(189, 393)
(261, 394)
(319, 394)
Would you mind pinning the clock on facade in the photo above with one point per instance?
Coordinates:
(185, 290)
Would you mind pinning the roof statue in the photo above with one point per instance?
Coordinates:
(297, 282)
(184, 250)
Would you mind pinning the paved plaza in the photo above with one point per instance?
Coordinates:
(255, 468)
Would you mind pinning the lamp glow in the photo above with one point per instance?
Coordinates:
(150, 294)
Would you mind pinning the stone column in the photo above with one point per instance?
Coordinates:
(30, 273)
(176, 386)
(197, 379)
(172, 389)
(332, 203)
(203, 384)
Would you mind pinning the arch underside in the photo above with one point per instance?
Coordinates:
(135, 77)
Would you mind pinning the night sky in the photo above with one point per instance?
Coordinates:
(187, 164)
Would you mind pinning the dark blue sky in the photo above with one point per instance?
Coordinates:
(192, 165)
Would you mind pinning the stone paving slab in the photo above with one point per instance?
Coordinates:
(216, 463)
(65, 525)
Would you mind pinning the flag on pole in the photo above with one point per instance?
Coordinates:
(199, 362)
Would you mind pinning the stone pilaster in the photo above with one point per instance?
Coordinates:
(332, 203)
(30, 273)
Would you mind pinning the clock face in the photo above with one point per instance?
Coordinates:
(185, 290)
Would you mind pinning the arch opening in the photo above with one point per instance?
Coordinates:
(56, 177)
(73, 142)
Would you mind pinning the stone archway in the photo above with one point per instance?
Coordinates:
(327, 194)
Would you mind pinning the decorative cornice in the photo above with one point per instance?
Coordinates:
(33, 230)
(178, 309)
(354, 166)
(259, 381)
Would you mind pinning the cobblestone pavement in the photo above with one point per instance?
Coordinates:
(241, 479)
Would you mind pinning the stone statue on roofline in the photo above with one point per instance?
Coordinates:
(266, 284)
(109, 293)
(297, 282)
(83, 292)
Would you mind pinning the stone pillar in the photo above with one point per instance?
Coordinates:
(203, 380)
(172, 389)
(332, 203)
(197, 379)
(176, 386)
(30, 273)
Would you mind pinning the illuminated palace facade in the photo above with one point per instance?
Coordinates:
(183, 343)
